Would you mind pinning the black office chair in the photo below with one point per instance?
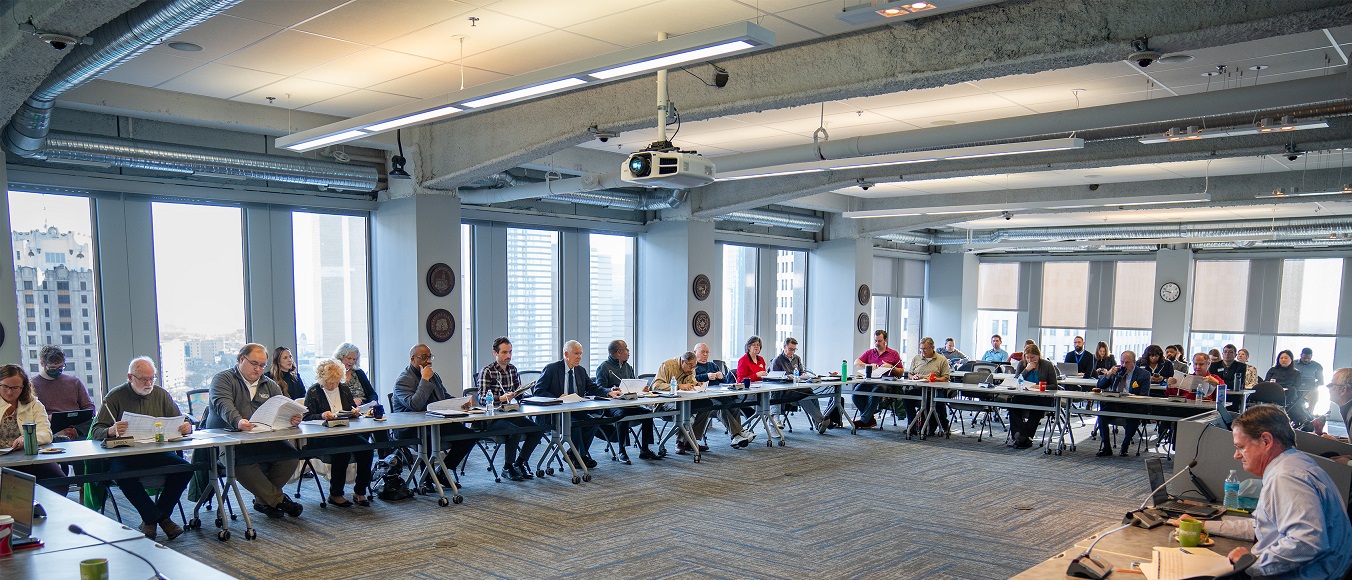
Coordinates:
(1268, 392)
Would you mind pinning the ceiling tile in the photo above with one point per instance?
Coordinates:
(1097, 99)
(150, 69)
(1343, 34)
(218, 80)
(756, 144)
(730, 135)
(290, 52)
(836, 123)
(218, 37)
(537, 52)
(942, 108)
(675, 17)
(368, 67)
(441, 41)
(1088, 89)
(821, 17)
(283, 13)
(372, 22)
(435, 81)
(787, 114)
(965, 117)
(1280, 67)
(357, 103)
(564, 14)
(911, 97)
(293, 93)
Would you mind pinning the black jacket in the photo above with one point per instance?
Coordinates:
(551, 383)
(1084, 362)
(316, 402)
(1101, 365)
(1227, 372)
(1287, 377)
(292, 384)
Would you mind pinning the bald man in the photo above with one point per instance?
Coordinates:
(419, 386)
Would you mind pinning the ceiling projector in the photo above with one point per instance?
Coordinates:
(667, 169)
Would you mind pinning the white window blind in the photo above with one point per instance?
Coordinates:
(1134, 295)
(912, 278)
(998, 287)
(1310, 296)
(884, 277)
(1220, 292)
(1065, 294)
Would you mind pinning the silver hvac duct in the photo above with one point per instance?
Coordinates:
(624, 200)
(1290, 227)
(807, 223)
(116, 42)
(183, 158)
(1274, 244)
(498, 180)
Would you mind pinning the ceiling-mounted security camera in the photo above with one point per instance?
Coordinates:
(1007, 215)
(600, 135)
(863, 184)
(1143, 55)
(59, 42)
(1292, 153)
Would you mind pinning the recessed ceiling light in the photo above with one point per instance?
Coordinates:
(1212, 73)
(942, 122)
(1175, 58)
(1258, 67)
(185, 46)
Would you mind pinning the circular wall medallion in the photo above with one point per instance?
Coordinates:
(864, 294)
(700, 324)
(440, 325)
(861, 323)
(440, 279)
(701, 287)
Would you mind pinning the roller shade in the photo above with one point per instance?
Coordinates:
(1134, 295)
(1220, 295)
(1065, 294)
(998, 287)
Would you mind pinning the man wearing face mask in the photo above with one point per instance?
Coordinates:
(141, 395)
(61, 393)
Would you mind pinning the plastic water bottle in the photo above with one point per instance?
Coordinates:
(489, 404)
(1020, 382)
(797, 372)
(159, 432)
(673, 385)
(1232, 490)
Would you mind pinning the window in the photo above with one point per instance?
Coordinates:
(612, 308)
(1132, 340)
(790, 297)
(1065, 294)
(739, 300)
(466, 286)
(1054, 343)
(532, 297)
(1307, 315)
(199, 292)
(997, 302)
(1134, 295)
(330, 277)
(1220, 294)
(49, 231)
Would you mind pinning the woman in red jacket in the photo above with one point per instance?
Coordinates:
(752, 365)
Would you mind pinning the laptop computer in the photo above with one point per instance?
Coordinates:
(16, 500)
(1068, 369)
(64, 419)
(1165, 502)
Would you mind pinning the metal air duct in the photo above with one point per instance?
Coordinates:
(662, 199)
(1290, 227)
(807, 223)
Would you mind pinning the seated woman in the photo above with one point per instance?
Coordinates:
(327, 400)
(1023, 423)
(1285, 373)
(285, 373)
(1161, 370)
(1103, 360)
(18, 405)
(354, 379)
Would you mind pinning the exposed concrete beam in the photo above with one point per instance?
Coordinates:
(838, 227)
(827, 202)
(728, 196)
(579, 161)
(995, 41)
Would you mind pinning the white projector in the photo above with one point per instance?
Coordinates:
(670, 169)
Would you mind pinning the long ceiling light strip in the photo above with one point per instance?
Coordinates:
(907, 158)
(736, 38)
(1262, 127)
(1015, 206)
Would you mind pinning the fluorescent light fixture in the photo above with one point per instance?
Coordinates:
(726, 40)
(1282, 193)
(415, 118)
(1262, 126)
(906, 158)
(880, 12)
(1017, 206)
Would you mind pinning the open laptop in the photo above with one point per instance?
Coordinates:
(1068, 369)
(1163, 501)
(16, 500)
(64, 419)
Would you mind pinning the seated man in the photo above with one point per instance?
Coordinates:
(1229, 367)
(416, 388)
(1084, 362)
(1126, 377)
(1311, 372)
(995, 354)
(789, 362)
(950, 352)
(928, 362)
(1300, 528)
(1201, 367)
(502, 380)
(609, 374)
(569, 377)
(60, 392)
(885, 362)
(235, 394)
(683, 369)
(1340, 392)
(141, 395)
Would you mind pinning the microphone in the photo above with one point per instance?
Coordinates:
(1086, 565)
(77, 530)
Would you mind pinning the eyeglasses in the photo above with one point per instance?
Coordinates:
(148, 379)
(9, 388)
(426, 357)
(55, 366)
(257, 365)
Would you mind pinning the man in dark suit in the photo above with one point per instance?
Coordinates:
(1126, 377)
(420, 386)
(568, 376)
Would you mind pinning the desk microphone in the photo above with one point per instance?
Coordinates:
(1086, 565)
(77, 530)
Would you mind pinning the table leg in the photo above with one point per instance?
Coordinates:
(566, 427)
(435, 465)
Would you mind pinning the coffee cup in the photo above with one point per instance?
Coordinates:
(6, 528)
(1189, 533)
(377, 411)
(30, 438)
(868, 371)
(94, 569)
(746, 383)
(933, 377)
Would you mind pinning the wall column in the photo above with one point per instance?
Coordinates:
(950, 299)
(1173, 320)
(270, 272)
(670, 255)
(127, 299)
(836, 269)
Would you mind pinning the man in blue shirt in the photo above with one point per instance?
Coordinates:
(995, 354)
(1300, 528)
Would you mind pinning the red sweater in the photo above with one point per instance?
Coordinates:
(748, 369)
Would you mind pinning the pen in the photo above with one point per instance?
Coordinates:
(1184, 551)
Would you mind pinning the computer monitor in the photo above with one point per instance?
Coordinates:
(16, 499)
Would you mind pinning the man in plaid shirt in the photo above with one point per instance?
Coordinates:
(501, 379)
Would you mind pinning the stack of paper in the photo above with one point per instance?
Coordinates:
(1180, 563)
(274, 414)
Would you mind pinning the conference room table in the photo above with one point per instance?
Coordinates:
(1123, 550)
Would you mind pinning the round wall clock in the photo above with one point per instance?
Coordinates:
(700, 323)
(861, 323)
(701, 287)
(864, 294)
(440, 279)
(1170, 292)
(440, 325)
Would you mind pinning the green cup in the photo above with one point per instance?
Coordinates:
(94, 569)
(1189, 533)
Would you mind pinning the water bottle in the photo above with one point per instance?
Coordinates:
(673, 385)
(489, 406)
(1232, 490)
(1020, 382)
(844, 371)
(159, 432)
(796, 373)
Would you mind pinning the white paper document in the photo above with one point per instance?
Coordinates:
(275, 414)
(633, 385)
(364, 407)
(1176, 564)
(455, 404)
(141, 428)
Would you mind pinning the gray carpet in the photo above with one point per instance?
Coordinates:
(833, 506)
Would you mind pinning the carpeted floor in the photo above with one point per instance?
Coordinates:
(824, 506)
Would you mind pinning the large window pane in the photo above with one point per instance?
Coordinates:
(199, 292)
(54, 279)
(908, 340)
(1132, 340)
(1065, 294)
(1309, 299)
(886, 316)
(998, 287)
(466, 286)
(1054, 343)
(331, 287)
(532, 297)
(1134, 295)
(991, 322)
(790, 297)
(1321, 345)
(1205, 341)
(1220, 294)
(612, 308)
(739, 300)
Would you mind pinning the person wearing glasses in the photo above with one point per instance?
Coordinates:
(18, 405)
(61, 392)
(1340, 392)
(236, 393)
(416, 388)
(142, 396)
(354, 379)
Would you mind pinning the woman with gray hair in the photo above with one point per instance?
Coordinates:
(354, 379)
(327, 399)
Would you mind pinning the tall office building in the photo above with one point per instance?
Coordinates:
(336, 312)
(532, 295)
(790, 297)
(612, 301)
(54, 277)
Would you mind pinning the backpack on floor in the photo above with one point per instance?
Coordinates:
(387, 482)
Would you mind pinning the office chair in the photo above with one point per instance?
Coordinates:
(1268, 392)
(198, 399)
(980, 411)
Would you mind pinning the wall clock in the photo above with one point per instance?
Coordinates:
(1170, 292)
